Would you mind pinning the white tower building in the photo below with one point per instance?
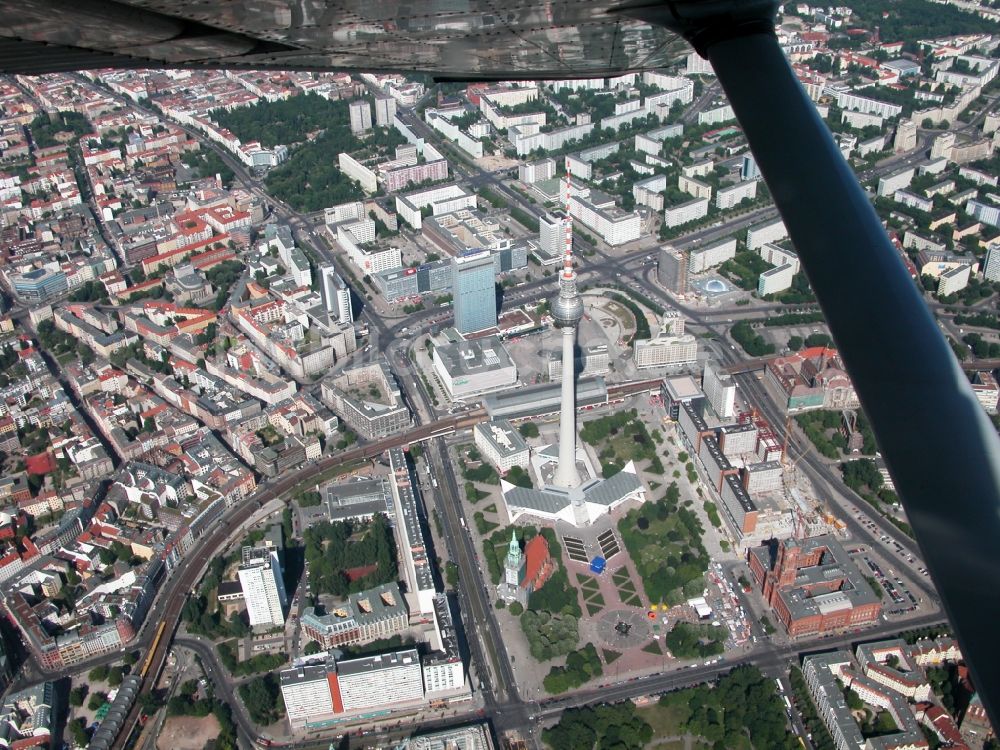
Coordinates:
(336, 295)
(567, 310)
(720, 390)
(361, 115)
(385, 110)
(263, 588)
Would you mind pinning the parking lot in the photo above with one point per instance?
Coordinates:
(891, 546)
(903, 599)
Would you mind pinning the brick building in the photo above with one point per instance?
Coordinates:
(813, 586)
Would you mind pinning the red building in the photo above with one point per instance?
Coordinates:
(538, 564)
(812, 586)
(975, 721)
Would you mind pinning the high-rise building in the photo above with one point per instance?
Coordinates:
(552, 234)
(474, 292)
(336, 295)
(315, 694)
(385, 110)
(383, 680)
(749, 170)
(673, 269)
(720, 390)
(536, 171)
(991, 264)
(306, 692)
(263, 587)
(906, 137)
(361, 116)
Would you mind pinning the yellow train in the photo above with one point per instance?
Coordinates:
(152, 650)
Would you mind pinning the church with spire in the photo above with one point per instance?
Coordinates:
(525, 571)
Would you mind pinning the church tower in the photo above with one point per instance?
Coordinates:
(515, 562)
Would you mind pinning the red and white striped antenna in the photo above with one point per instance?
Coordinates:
(568, 224)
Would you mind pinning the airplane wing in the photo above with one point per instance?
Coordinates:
(471, 39)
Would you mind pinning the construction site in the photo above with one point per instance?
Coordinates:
(747, 470)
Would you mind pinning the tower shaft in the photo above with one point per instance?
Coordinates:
(566, 474)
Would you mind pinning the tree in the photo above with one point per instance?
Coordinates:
(516, 609)
(528, 430)
(262, 697)
(519, 477)
(87, 356)
(78, 731)
(854, 701)
(311, 648)
(862, 473)
(97, 700)
(78, 694)
(795, 343)
(98, 674)
(617, 726)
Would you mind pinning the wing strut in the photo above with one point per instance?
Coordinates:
(940, 446)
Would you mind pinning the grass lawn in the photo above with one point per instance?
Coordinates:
(620, 438)
(482, 525)
(609, 656)
(592, 597)
(664, 542)
(620, 576)
(665, 720)
(653, 647)
(626, 590)
(491, 508)
(588, 584)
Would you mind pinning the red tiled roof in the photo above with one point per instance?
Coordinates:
(361, 571)
(536, 554)
(41, 464)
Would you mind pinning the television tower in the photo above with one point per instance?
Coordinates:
(567, 310)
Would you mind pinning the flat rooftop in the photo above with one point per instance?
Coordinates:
(474, 356)
(682, 387)
(378, 662)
